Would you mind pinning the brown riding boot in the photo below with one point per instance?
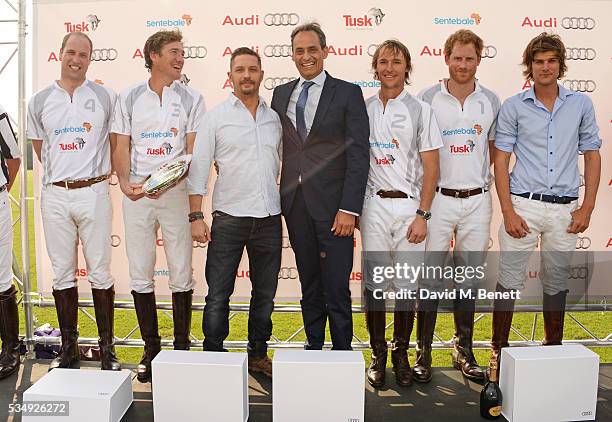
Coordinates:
(67, 308)
(426, 323)
(375, 316)
(147, 320)
(503, 310)
(553, 308)
(9, 333)
(104, 300)
(463, 355)
(403, 321)
(181, 315)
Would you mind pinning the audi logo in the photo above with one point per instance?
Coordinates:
(372, 49)
(582, 181)
(490, 242)
(281, 19)
(271, 83)
(288, 273)
(488, 52)
(577, 273)
(277, 50)
(113, 180)
(580, 85)
(115, 241)
(195, 52)
(583, 243)
(578, 23)
(104, 54)
(580, 53)
(286, 243)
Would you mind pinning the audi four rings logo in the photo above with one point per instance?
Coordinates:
(489, 51)
(103, 54)
(580, 85)
(583, 243)
(372, 49)
(578, 273)
(277, 50)
(115, 241)
(113, 180)
(281, 19)
(271, 83)
(195, 52)
(577, 23)
(288, 273)
(580, 53)
(286, 242)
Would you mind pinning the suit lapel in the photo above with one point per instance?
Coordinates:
(327, 94)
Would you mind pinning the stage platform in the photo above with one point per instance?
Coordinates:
(447, 398)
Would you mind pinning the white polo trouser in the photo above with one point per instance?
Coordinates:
(6, 243)
(142, 219)
(383, 225)
(72, 214)
(549, 222)
(469, 220)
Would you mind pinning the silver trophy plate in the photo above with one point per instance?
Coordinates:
(167, 175)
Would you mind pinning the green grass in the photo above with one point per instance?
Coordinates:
(286, 324)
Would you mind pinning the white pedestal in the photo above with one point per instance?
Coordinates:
(92, 395)
(200, 386)
(322, 386)
(549, 383)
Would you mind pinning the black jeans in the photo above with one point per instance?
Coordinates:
(263, 240)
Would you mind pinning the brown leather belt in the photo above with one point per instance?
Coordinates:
(77, 184)
(3, 188)
(460, 193)
(391, 194)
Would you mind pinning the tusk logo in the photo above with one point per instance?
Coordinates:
(581, 23)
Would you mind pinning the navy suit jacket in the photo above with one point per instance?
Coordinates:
(334, 159)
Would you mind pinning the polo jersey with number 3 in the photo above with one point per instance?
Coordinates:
(157, 128)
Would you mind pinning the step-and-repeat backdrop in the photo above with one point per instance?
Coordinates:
(212, 30)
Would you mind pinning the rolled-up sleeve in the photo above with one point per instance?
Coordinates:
(588, 132)
(202, 158)
(507, 127)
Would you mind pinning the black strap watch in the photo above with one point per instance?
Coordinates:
(197, 215)
(425, 214)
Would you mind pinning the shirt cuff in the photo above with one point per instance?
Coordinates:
(349, 212)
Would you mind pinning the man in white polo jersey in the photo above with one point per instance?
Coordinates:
(466, 113)
(9, 314)
(155, 122)
(69, 125)
(404, 143)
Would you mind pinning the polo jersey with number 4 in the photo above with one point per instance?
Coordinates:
(466, 132)
(74, 131)
(157, 128)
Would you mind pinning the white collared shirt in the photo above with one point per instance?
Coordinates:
(8, 145)
(248, 153)
(314, 94)
(466, 132)
(74, 130)
(399, 132)
(157, 129)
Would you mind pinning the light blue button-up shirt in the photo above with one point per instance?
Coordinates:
(546, 145)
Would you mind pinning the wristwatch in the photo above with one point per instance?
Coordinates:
(197, 215)
(425, 214)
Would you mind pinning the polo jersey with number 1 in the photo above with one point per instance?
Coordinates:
(157, 128)
(74, 131)
(466, 132)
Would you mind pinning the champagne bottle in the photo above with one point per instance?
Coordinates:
(491, 397)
